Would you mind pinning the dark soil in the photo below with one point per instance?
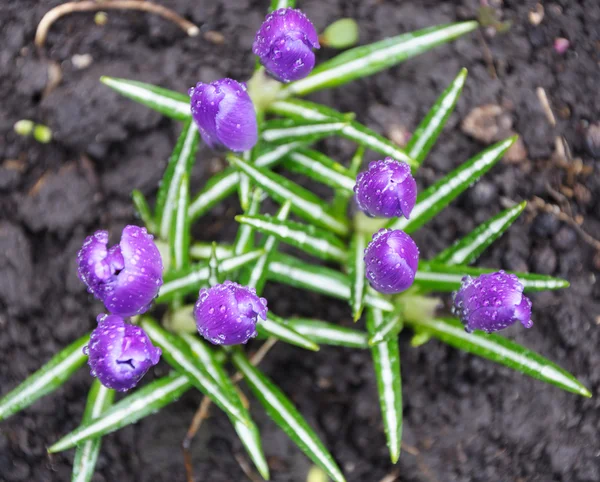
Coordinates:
(466, 419)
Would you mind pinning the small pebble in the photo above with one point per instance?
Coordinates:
(544, 260)
(545, 225)
(565, 239)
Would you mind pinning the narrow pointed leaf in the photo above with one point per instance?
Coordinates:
(168, 102)
(47, 379)
(467, 249)
(244, 240)
(441, 277)
(180, 163)
(256, 276)
(244, 184)
(277, 4)
(278, 131)
(342, 198)
(224, 184)
(248, 434)
(500, 350)
(370, 59)
(356, 274)
(179, 238)
(99, 400)
(214, 276)
(143, 402)
(320, 279)
(325, 333)
(439, 195)
(285, 414)
(315, 241)
(178, 354)
(429, 129)
(303, 110)
(321, 168)
(388, 330)
(190, 279)
(386, 361)
(143, 210)
(304, 203)
(277, 327)
(204, 250)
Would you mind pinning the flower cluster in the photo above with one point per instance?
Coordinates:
(126, 278)
(223, 109)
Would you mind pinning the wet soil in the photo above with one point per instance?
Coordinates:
(466, 419)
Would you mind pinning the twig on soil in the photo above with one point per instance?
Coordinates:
(487, 55)
(92, 6)
(543, 98)
(202, 413)
(247, 469)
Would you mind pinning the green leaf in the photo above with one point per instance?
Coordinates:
(500, 350)
(143, 402)
(304, 203)
(279, 131)
(180, 163)
(315, 241)
(99, 400)
(429, 129)
(370, 59)
(178, 354)
(244, 184)
(214, 277)
(283, 412)
(341, 34)
(467, 249)
(168, 102)
(439, 195)
(441, 277)
(179, 238)
(321, 168)
(244, 240)
(342, 198)
(248, 434)
(320, 279)
(277, 4)
(201, 250)
(190, 279)
(47, 379)
(329, 334)
(224, 184)
(303, 110)
(278, 328)
(256, 277)
(143, 210)
(388, 330)
(356, 274)
(386, 361)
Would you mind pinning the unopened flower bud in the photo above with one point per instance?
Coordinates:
(224, 114)
(391, 261)
(126, 277)
(285, 42)
(387, 189)
(120, 354)
(492, 302)
(227, 313)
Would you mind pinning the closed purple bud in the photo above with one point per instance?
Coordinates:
(126, 277)
(387, 189)
(227, 314)
(224, 114)
(285, 42)
(492, 302)
(391, 260)
(120, 354)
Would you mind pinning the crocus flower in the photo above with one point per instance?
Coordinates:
(120, 354)
(285, 42)
(226, 314)
(492, 302)
(224, 114)
(126, 277)
(387, 189)
(391, 260)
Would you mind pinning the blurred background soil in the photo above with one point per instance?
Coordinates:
(466, 419)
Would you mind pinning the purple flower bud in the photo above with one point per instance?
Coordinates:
(125, 277)
(492, 302)
(391, 260)
(227, 314)
(387, 189)
(224, 114)
(285, 42)
(120, 354)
